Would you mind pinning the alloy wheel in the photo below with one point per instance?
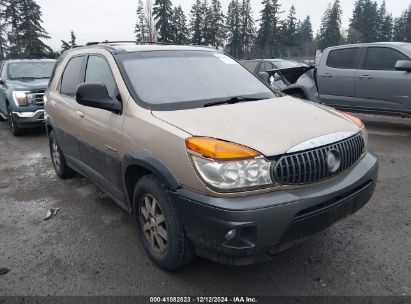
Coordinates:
(153, 223)
(55, 153)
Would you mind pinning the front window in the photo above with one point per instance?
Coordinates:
(170, 80)
(30, 70)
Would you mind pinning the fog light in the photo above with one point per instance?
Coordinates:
(231, 235)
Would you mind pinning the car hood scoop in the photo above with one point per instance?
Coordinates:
(272, 127)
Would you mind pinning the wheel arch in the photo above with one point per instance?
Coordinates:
(137, 164)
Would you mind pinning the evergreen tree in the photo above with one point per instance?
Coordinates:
(248, 31)
(385, 28)
(3, 31)
(408, 25)
(32, 32)
(179, 25)
(290, 37)
(12, 15)
(330, 29)
(163, 11)
(217, 30)
(305, 31)
(234, 28)
(267, 35)
(364, 24)
(68, 45)
(141, 29)
(400, 27)
(196, 23)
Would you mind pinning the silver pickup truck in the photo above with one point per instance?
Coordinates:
(370, 78)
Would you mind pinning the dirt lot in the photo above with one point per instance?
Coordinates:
(91, 247)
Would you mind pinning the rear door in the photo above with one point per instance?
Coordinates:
(63, 107)
(336, 77)
(379, 86)
(101, 131)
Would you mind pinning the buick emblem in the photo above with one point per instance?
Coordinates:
(333, 161)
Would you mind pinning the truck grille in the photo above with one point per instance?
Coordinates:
(318, 164)
(36, 97)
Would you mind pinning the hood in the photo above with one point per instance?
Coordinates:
(271, 127)
(34, 84)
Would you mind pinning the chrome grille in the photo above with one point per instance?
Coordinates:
(314, 165)
(36, 97)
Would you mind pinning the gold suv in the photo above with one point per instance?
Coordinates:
(207, 158)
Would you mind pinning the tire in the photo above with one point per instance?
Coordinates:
(15, 130)
(57, 157)
(161, 230)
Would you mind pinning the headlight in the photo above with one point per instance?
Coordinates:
(228, 167)
(364, 134)
(20, 98)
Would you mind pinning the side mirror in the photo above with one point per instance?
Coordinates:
(264, 77)
(1, 81)
(95, 95)
(403, 65)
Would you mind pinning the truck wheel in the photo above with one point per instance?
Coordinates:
(15, 130)
(57, 157)
(161, 230)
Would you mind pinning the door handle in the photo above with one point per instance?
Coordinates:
(366, 77)
(80, 114)
(327, 75)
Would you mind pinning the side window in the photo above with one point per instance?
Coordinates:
(344, 58)
(71, 77)
(98, 70)
(380, 58)
(250, 65)
(266, 66)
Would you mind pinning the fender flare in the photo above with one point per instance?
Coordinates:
(151, 163)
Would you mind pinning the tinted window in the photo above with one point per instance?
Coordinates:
(98, 70)
(344, 58)
(189, 79)
(71, 77)
(382, 58)
(250, 65)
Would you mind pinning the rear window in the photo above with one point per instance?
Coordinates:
(380, 58)
(344, 58)
(71, 77)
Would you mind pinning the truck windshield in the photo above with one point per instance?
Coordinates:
(30, 70)
(170, 80)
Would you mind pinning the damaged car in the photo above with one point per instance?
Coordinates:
(207, 159)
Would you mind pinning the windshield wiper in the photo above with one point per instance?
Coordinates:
(232, 100)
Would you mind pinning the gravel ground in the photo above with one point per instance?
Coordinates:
(91, 247)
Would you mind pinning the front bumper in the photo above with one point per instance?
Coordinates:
(29, 119)
(271, 222)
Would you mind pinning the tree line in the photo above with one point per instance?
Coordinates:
(274, 33)
(370, 22)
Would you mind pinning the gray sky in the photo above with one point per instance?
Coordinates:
(97, 20)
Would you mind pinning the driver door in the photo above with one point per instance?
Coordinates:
(101, 131)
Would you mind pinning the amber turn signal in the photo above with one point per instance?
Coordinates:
(354, 119)
(218, 149)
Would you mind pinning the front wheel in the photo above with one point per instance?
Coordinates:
(15, 129)
(161, 229)
(57, 157)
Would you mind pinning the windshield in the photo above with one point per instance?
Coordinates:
(169, 80)
(32, 70)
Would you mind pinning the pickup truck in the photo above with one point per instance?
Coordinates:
(22, 87)
(372, 78)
